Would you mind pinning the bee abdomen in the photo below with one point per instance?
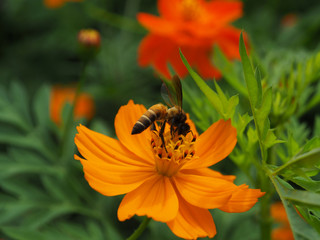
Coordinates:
(156, 112)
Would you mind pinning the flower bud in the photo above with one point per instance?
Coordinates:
(89, 40)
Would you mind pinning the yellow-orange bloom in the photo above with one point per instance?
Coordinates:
(194, 26)
(84, 106)
(175, 185)
(283, 232)
(57, 3)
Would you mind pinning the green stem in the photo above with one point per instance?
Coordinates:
(140, 229)
(69, 122)
(265, 221)
(115, 20)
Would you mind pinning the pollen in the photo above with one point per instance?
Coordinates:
(191, 10)
(171, 156)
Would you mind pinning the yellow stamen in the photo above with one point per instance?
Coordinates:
(177, 151)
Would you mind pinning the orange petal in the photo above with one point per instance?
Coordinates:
(156, 25)
(204, 65)
(98, 147)
(174, 59)
(111, 180)
(168, 9)
(209, 172)
(199, 57)
(228, 41)
(156, 50)
(203, 191)
(163, 56)
(192, 222)
(148, 49)
(139, 144)
(224, 11)
(155, 198)
(216, 143)
(242, 199)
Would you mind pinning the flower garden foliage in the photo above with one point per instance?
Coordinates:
(247, 169)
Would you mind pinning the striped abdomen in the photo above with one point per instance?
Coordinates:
(154, 113)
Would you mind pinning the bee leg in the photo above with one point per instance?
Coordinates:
(161, 134)
(153, 127)
(173, 131)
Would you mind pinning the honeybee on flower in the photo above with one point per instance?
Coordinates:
(174, 116)
(173, 186)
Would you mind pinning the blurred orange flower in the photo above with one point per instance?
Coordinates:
(175, 185)
(61, 95)
(194, 26)
(279, 214)
(57, 3)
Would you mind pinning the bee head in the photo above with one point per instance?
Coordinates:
(183, 128)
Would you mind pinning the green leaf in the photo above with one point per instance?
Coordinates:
(263, 112)
(307, 161)
(258, 77)
(301, 197)
(23, 161)
(242, 122)
(210, 94)
(10, 115)
(253, 86)
(311, 215)
(61, 193)
(271, 139)
(23, 233)
(41, 105)
(20, 101)
(30, 141)
(229, 105)
(307, 183)
(43, 215)
(11, 209)
(316, 131)
(10, 169)
(311, 144)
(225, 107)
(228, 71)
(300, 228)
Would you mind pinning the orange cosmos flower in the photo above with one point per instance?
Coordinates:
(194, 26)
(61, 95)
(57, 3)
(175, 185)
(279, 214)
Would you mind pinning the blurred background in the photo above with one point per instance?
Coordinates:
(43, 194)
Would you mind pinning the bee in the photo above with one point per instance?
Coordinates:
(174, 115)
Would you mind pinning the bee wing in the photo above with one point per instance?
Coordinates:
(171, 91)
(178, 89)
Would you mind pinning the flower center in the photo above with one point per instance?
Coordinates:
(174, 153)
(191, 10)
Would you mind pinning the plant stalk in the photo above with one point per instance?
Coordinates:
(140, 229)
(70, 118)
